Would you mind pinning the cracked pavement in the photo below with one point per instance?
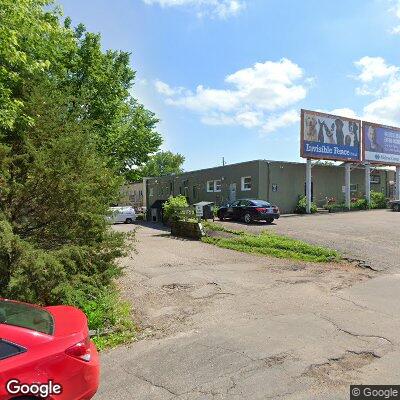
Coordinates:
(218, 324)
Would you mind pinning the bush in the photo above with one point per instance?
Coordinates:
(301, 207)
(111, 318)
(359, 204)
(177, 209)
(378, 200)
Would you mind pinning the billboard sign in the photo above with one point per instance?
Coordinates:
(381, 144)
(326, 136)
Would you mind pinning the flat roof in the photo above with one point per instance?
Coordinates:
(357, 165)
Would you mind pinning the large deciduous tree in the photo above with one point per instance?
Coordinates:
(160, 164)
(69, 132)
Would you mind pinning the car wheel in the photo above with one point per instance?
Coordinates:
(221, 217)
(396, 207)
(269, 220)
(129, 221)
(247, 218)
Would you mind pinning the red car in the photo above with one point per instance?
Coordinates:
(46, 353)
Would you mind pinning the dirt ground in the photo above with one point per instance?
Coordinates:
(218, 324)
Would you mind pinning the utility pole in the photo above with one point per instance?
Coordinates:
(223, 161)
(308, 185)
(368, 183)
(347, 169)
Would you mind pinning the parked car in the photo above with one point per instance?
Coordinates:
(395, 205)
(120, 214)
(249, 210)
(43, 347)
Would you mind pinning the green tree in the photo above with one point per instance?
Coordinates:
(125, 129)
(162, 163)
(69, 130)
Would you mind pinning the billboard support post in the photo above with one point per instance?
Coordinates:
(347, 169)
(308, 185)
(398, 182)
(368, 184)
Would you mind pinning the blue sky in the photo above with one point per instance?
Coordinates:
(228, 77)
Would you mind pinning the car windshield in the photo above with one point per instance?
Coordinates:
(260, 203)
(26, 316)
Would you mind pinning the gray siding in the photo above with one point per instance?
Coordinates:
(287, 177)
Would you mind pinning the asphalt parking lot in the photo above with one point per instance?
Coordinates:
(372, 236)
(218, 324)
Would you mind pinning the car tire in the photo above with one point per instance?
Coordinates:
(221, 217)
(129, 221)
(247, 218)
(269, 220)
(396, 207)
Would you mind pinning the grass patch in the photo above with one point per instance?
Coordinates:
(274, 245)
(111, 317)
(220, 228)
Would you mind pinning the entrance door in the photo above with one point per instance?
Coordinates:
(232, 192)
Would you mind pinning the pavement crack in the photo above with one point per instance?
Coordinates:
(149, 381)
(359, 335)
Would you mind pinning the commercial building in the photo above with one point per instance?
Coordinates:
(132, 194)
(279, 182)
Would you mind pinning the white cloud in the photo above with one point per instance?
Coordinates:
(374, 68)
(279, 121)
(395, 10)
(344, 112)
(381, 82)
(213, 8)
(258, 95)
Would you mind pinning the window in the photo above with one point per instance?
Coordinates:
(26, 316)
(151, 192)
(214, 186)
(246, 183)
(260, 203)
(376, 179)
(194, 192)
(353, 187)
(186, 191)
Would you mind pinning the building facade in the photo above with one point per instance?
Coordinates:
(132, 194)
(281, 183)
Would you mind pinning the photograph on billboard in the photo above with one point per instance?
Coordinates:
(381, 143)
(332, 137)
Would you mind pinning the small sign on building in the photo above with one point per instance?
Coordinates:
(274, 187)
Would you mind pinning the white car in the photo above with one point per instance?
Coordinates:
(124, 215)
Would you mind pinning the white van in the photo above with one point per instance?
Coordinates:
(124, 215)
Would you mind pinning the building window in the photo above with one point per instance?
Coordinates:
(246, 183)
(170, 187)
(151, 192)
(353, 187)
(376, 179)
(194, 192)
(186, 191)
(217, 185)
(210, 186)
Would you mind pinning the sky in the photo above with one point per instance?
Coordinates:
(227, 78)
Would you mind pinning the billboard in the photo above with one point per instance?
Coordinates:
(327, 136)
(381, 144)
